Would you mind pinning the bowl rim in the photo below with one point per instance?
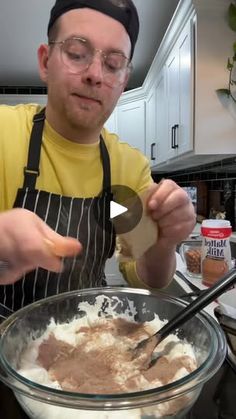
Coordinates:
(207, 369)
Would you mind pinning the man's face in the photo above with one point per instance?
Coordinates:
(84, 100)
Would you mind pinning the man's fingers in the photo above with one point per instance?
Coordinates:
(9, 274)
(63, 246)
(28, 243)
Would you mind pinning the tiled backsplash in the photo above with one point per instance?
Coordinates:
(23, 90)
(216, 187)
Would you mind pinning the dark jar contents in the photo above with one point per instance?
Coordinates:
(193, 260)
(213, 269)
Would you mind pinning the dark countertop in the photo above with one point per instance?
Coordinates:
(218, 397)
(216, 401)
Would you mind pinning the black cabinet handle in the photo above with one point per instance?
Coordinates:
(175, 144)
(172, 136)
(152, 151)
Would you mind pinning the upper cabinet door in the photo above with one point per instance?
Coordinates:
(172, 78)
(179, 76)
(131, 123)
(186, 89)
(161, 119)
(151, 135)
(156, 122)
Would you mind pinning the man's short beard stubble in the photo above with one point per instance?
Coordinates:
(84, 118)
(78, 118)
(81, 119)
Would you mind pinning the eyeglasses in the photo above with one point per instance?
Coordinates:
(77, 55)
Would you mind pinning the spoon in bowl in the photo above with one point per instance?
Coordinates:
(146, 347)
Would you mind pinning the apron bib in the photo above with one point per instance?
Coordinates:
(87, 219)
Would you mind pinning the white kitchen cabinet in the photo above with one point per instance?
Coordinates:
(194, 51)
(111, 123)
(161, 118)
(186, 123)
(179, 93)
(156, 120)
(131, 123)
(151, 140)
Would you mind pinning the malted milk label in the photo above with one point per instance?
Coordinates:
(216, 253)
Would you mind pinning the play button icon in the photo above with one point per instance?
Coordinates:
(116, 209)
(125, 209)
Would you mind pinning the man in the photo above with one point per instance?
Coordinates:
(71, 163)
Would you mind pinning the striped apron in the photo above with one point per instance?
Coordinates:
(87, 219)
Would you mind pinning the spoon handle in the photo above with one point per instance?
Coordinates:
(186, 280)
(199, 303)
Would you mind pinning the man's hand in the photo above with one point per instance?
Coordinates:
(26, 242)
(170, 206)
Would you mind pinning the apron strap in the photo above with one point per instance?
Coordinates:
(31, 171)
(106, 167)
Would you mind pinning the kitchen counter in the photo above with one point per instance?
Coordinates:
(217, 399)
(197, 282)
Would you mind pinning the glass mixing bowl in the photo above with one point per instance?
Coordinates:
(172, 400)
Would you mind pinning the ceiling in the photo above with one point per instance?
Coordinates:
(23, 26)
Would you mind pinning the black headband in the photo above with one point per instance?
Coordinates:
(126, 14)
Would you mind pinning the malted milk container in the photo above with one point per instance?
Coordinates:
(216, 252)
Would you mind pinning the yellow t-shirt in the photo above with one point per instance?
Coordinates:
(66, 168)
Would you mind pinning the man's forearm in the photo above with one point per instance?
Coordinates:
(157, 266)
